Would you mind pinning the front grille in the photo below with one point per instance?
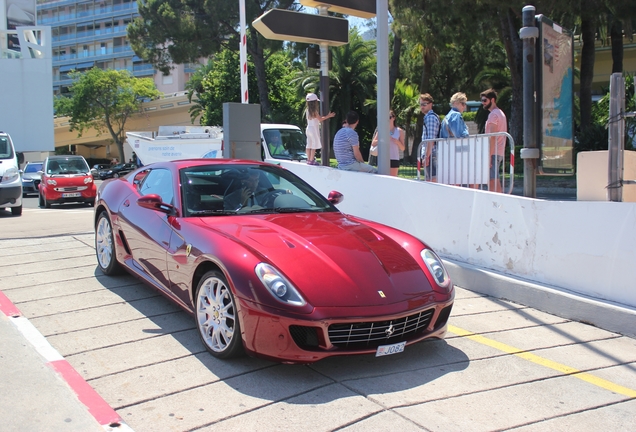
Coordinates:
(71, 189)
(372, 334)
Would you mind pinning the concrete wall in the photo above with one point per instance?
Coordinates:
(586, 248)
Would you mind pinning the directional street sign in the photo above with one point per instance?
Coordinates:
(280, 24)
(358, 8)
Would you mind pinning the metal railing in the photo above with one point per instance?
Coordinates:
(465, 161)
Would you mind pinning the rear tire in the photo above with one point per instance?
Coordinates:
(217, 318)
(105, 247)
(16, 211)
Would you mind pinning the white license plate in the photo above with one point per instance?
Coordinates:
(71, 194)
(384, 350)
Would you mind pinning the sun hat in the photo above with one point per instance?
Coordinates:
(312, 97)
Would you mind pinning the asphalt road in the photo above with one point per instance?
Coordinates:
(502, 366)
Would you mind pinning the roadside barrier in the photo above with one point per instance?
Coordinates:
(465, 162)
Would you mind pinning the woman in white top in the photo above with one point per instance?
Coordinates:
(396, 144)
(313, 127)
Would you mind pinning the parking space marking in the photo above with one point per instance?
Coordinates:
(587, 377)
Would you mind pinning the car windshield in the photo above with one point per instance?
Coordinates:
(214, 190)
(70, 165)
(288, 144)
(6, 152)
(32, 167)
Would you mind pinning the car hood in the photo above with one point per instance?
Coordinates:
(31, 176)
(332, 259)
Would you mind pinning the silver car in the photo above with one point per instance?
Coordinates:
(31, 176)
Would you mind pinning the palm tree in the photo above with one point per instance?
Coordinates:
(352, 82)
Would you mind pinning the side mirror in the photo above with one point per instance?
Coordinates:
(335, 197)
(153, 202)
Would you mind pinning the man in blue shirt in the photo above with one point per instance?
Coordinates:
(346, 147)
(429, 131)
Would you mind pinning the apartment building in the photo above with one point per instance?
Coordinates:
(87, 34)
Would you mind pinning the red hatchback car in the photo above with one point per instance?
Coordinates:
(66, 179)
(267, 265)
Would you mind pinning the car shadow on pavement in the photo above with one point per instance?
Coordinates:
(419, 364)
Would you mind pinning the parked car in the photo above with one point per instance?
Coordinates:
(267, 265)
(31, 176)
(116, 171)
(10, 182)
(98, 168)
(66, 179)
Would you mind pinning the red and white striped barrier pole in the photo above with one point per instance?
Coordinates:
(243, 54)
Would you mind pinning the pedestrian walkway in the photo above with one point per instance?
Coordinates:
(40, 390)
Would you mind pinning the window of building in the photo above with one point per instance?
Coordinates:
(166, 79)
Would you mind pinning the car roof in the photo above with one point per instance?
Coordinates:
(265, 126)
(59, 157)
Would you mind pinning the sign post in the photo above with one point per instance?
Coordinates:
(322, 29)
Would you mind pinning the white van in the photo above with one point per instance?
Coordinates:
(283, 141)
(10, 180)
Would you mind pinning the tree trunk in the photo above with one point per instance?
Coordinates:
(616, 34)
(394, 70)
(514, 49)
(256, 52)
(588, 33)
(427, 59)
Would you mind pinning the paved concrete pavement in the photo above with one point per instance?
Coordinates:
(503, 365)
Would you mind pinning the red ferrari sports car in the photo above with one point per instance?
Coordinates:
(268, 266)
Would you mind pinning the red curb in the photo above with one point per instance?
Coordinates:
(7, 307)
(97, 406)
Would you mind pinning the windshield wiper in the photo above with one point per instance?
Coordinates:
(212, 212)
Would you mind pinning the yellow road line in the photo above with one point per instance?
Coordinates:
(599, 382)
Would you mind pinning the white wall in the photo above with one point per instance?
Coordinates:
(584, 247)
(26, 97)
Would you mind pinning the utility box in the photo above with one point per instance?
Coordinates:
(241, 131)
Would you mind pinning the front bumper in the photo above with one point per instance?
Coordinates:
(56, 197)
(11, 196)
(30, 187)
(293, 340)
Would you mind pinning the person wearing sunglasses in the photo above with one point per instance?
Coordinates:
(496, 122)
(453, 125)
(396, 143)
(430, 130)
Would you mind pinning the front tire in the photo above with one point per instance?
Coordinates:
(217, 317)
(16, 211)
(105, 247)
(43, 202)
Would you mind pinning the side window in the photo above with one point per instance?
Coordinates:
(158, 181)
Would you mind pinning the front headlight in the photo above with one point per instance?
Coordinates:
(280, 288)
(10, 174)
(436, 267)
(51, 182)
(88, 180)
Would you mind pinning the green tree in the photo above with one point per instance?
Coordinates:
(104, 100)
(218, 82)
(352, 82)
(174, 31)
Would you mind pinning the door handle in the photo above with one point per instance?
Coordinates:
(126, 203)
